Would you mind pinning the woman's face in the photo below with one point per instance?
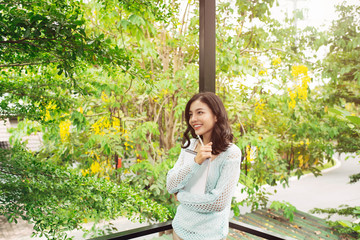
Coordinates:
(202, 119)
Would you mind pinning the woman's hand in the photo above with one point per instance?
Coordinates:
(204, 153)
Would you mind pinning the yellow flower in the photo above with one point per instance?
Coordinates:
(292, 102)
(301, 160)
(85, 172)
(302, 92)
(65, 130)
(104, 97)
(100, 125)
(250, 153)
(95, 167)
(47, 116)
(263, 72)
(51, 106)
(300, 74)
(299, 70)
(80, 110)
(165, 91)
(276, 61)
(259, 106)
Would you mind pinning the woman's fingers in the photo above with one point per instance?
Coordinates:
(207, 147)
(204, 153)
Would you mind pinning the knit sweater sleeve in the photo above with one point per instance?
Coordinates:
(180, 174)
(217, 199)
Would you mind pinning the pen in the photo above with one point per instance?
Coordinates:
(202, 144)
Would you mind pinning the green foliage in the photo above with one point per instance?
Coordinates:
(343, 226)
(353, 121)
(287, 208)
(354, 178)
(43, 46)
(57, 199)
(256, 198)
(98, 232)
(152, 177)
(354, 227)
(41, 32)
(341, 67)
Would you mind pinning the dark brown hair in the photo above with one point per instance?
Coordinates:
(221, 135)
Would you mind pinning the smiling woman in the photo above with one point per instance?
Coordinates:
(205, 215)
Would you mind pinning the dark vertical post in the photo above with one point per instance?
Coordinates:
(207, 46)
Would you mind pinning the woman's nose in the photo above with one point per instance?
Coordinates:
(192, 118)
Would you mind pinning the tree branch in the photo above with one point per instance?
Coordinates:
(250, 40)
(27, 64)
(27, 39)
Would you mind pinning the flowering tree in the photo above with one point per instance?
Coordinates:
(44, 50)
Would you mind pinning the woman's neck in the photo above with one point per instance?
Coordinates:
(206, 139)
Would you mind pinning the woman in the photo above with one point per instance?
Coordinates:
(205, 216)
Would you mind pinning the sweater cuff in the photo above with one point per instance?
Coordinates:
(195, 167)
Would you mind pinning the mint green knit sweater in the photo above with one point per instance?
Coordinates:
(205, 216)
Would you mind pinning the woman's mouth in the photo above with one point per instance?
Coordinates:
(196, 127)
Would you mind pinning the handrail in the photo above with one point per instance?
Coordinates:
(137, 232)
(160, 227)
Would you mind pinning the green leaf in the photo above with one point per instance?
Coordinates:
(124, 23)
(345, 223)
(354, 119)
(137, 20)
(356, 228)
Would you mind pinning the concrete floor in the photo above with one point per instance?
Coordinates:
(330, 190)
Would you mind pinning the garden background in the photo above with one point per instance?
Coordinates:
(105, 83)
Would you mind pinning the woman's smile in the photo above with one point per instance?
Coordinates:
(197, 126)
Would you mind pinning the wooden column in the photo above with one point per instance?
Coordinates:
(207, 59)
